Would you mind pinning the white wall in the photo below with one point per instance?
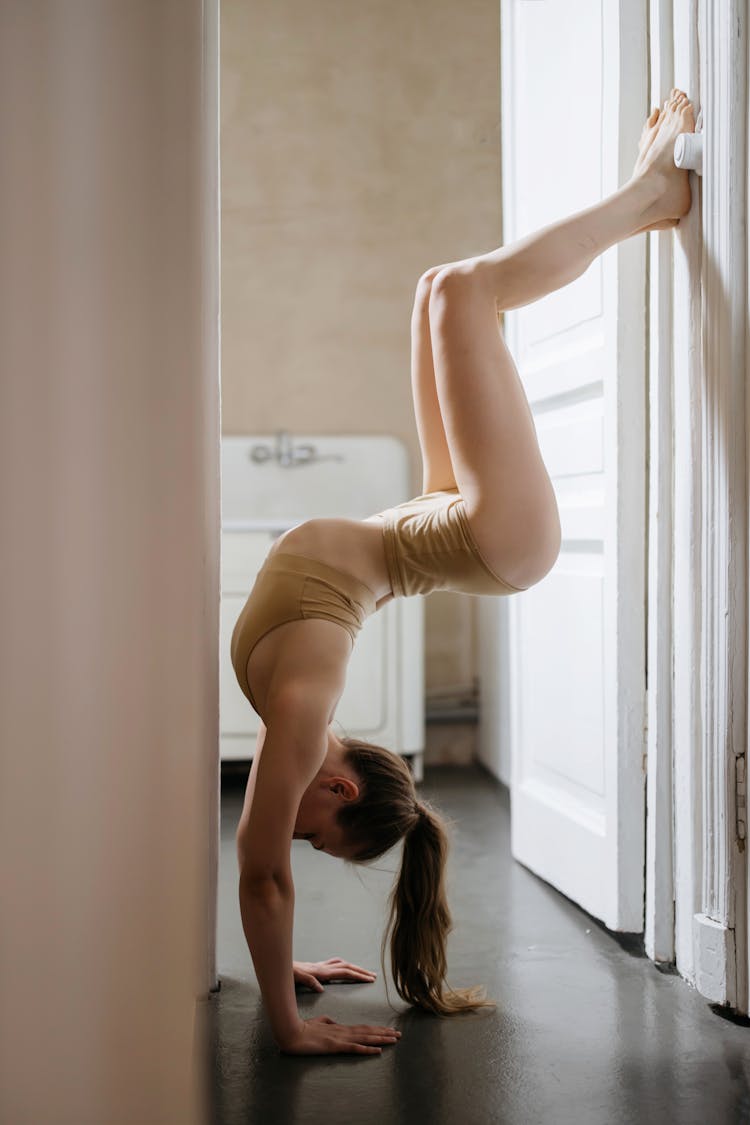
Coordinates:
(109, 494)
(494, 688)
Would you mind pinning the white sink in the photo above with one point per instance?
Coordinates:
(272, 482)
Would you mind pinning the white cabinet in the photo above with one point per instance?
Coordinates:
(242, 555)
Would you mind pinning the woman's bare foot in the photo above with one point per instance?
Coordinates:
(656, 164)
(666, 224)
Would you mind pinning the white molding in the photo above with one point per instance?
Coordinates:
(687, 393)
(211, 280)
(715, 959)
(724, 489)
(659, 912)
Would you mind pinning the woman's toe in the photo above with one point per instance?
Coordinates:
(688, 117)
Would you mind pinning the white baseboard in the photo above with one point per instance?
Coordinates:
(715, 960)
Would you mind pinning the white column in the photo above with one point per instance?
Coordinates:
(109, 583)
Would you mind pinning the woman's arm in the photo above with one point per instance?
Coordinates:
(249, 792)
(267, 909)
(293, 749)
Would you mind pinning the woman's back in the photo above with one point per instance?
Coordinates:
(353, 546)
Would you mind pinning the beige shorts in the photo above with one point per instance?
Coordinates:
(429, 545)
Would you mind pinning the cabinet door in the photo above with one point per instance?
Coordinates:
(237, 716)
(242, 555)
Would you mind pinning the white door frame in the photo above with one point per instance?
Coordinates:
(719, 926)
(698, 629)
(659, 914)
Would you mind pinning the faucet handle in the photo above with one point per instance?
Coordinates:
(303, 454)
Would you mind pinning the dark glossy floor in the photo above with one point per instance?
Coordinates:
(586, 1031)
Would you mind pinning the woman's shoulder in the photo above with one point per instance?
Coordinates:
(308, 672)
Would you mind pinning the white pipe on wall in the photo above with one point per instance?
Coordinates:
(109, 494)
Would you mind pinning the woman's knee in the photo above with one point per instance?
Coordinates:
(522, 543)
(453, 283)
(542, 550)
(424, 285)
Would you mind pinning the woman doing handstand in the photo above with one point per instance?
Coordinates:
(486, 523)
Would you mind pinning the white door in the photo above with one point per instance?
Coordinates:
(574, 100)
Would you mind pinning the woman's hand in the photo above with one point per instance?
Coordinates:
(323, 1036)
(313, 974)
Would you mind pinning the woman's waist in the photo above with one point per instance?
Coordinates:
(350, 547)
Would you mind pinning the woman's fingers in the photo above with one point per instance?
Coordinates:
(309, 981)
(337, 969)
(359, 1038)
(330, 974)
(349, 974)
(372, 1035)
(348, 965)
(360, 1031)
(366, 1029)
(322, 1035)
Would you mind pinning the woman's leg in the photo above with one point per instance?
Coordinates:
(490, 432)
(437, 470)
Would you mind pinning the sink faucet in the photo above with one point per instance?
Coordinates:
(289, 455)
(284, 449)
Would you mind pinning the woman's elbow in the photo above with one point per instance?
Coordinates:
(265, 885)
(241, 847)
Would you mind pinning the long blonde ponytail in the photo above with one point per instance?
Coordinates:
(419, 919)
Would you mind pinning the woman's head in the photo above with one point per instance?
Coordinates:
(387, 810)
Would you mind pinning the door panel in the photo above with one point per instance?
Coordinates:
(576, 641)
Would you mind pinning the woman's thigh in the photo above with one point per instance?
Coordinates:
(490, 430)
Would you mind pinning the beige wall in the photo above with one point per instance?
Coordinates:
(359, 145)
(109, 555)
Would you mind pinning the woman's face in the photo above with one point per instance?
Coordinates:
(316, 818)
